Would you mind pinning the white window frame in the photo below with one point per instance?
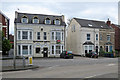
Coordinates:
(100, 36)
(22, 20)
(53, 36)
(109, 37)
(35, 19)
(56, 37)
(18, 35)
(62, 36)
(87, 37)
(30, 36)
(46, 21)
(45, 36)
(96, 37)
(27, 35)
(21, 48)
(38, 35)
(56, 22)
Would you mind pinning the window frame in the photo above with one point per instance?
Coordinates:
(38, 35)
(96, 37)
(88, 37)
(58, 49)
(108, 37)
(57, 22)
(35, 18)
(58, 37)
(25, 49)
(44, 36)
(24, 17)
(24, 35)
(47, 20)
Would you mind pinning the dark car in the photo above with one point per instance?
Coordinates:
(67, 54)
(92, 54)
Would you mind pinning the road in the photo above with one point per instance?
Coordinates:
(79, 67)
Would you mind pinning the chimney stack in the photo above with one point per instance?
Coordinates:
(108, 22)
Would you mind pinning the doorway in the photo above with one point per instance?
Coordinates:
(45, 52)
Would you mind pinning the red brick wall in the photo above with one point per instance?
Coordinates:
(117, 36)
(5, 23)
(4, 31)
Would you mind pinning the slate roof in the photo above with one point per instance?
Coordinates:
(41, 18)
(95, 24)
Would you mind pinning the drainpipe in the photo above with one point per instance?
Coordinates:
(64, 37)
(94, 39)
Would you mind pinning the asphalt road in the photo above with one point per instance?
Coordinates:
(79, 67)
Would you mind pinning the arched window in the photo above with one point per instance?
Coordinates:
(57, 22)
(24, 19)
(47, 21)
(35, 20)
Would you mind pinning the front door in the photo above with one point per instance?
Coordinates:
(45, 52)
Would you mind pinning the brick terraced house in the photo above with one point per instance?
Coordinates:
(4, 24)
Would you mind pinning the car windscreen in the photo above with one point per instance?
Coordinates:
(69, 52)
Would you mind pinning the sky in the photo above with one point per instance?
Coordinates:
(94, 10)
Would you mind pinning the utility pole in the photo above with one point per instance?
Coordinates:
(14, 58)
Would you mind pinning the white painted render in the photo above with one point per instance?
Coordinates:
(76, 37)
(34, 28)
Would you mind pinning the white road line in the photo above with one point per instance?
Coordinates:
(53, 66)
(91, 76)
(111, 64)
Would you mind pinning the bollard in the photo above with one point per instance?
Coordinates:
(24, 61)
(30, 60)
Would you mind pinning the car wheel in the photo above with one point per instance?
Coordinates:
(71, 57)
(64, 57)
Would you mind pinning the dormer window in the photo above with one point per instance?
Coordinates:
(47, 21)
(24, 19)
(57, 22)
(90, 25)
(35, 20)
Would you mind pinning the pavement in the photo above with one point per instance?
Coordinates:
(79, 67)
(18, 68)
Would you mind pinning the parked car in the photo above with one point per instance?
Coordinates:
(92, 54)
(67, 54)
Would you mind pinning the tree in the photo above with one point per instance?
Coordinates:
(6, 45)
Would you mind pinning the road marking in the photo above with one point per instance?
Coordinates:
(53, 66)
(111, 64)
(91, 76)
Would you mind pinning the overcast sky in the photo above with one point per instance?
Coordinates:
(85, 10)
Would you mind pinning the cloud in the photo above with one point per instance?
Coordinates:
(25, 9)
(97, 11)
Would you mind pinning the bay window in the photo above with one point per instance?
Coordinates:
(24, 34)
(52, 49)
(58, 49)
(58, 36)
(30, 35)
(19, 35)
(52, 35)
(25, 50)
